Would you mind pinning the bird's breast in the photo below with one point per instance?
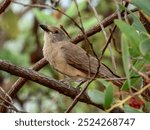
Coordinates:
(56, 58)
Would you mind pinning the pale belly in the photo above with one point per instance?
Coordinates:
(56, 59)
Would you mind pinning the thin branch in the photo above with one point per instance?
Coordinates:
(127, 98)
(4, 5)
(61, 26)
(118, 9)
(75, 101)
(141, 73)
(3, 92)
(107, 42)
(105, 34)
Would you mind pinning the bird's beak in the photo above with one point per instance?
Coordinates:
(44, 27)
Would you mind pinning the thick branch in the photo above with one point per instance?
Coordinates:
(21, 81)
(4, 5)
(46, 81)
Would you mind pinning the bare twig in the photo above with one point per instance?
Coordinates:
(118, 10)
(61, 26)
(108, 41)
(10, 104)
(141, 73)
(105, 34)
(127, 98)
(5, 94)
(75, 101)
(4, 5)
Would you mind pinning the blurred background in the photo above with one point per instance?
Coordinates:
(21, 42)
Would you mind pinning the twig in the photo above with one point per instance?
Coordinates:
(61, 26)
(105, 34)
(4, 5)
(118, 10)
(130, 96)
(75, 101)
(5, 94)
(10, 104)
(108, 41)
(141, 73)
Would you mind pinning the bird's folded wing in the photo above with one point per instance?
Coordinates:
(78, 58)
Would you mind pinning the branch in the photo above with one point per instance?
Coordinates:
(4, 5)
(21, 81)
(46, 81)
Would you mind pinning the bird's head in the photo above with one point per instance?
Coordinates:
(53, 34)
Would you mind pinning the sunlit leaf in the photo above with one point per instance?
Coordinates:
(131, 35)
(145, 46)
(96, 96)
(109, 95)
(137, 24)
(143, 5)
(125, 57)
(135, 79)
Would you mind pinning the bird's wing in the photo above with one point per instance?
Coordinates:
(78, 58)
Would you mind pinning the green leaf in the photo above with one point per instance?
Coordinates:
(9, 24)
(131, 35)
(96, 96)
(139, 65)
(145, 46)
(147, 106)
(143, 5)
(125, 57)
(144, 35)
(109, 95)
(104, 82)
(147, 58)
(137, 23)
(129, 109)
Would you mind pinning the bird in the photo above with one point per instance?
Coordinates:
(70, 59)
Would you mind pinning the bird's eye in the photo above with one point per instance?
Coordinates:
(56, 31)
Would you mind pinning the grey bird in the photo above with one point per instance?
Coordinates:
(70, 59)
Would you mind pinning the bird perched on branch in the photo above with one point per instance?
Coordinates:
(70, 59)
